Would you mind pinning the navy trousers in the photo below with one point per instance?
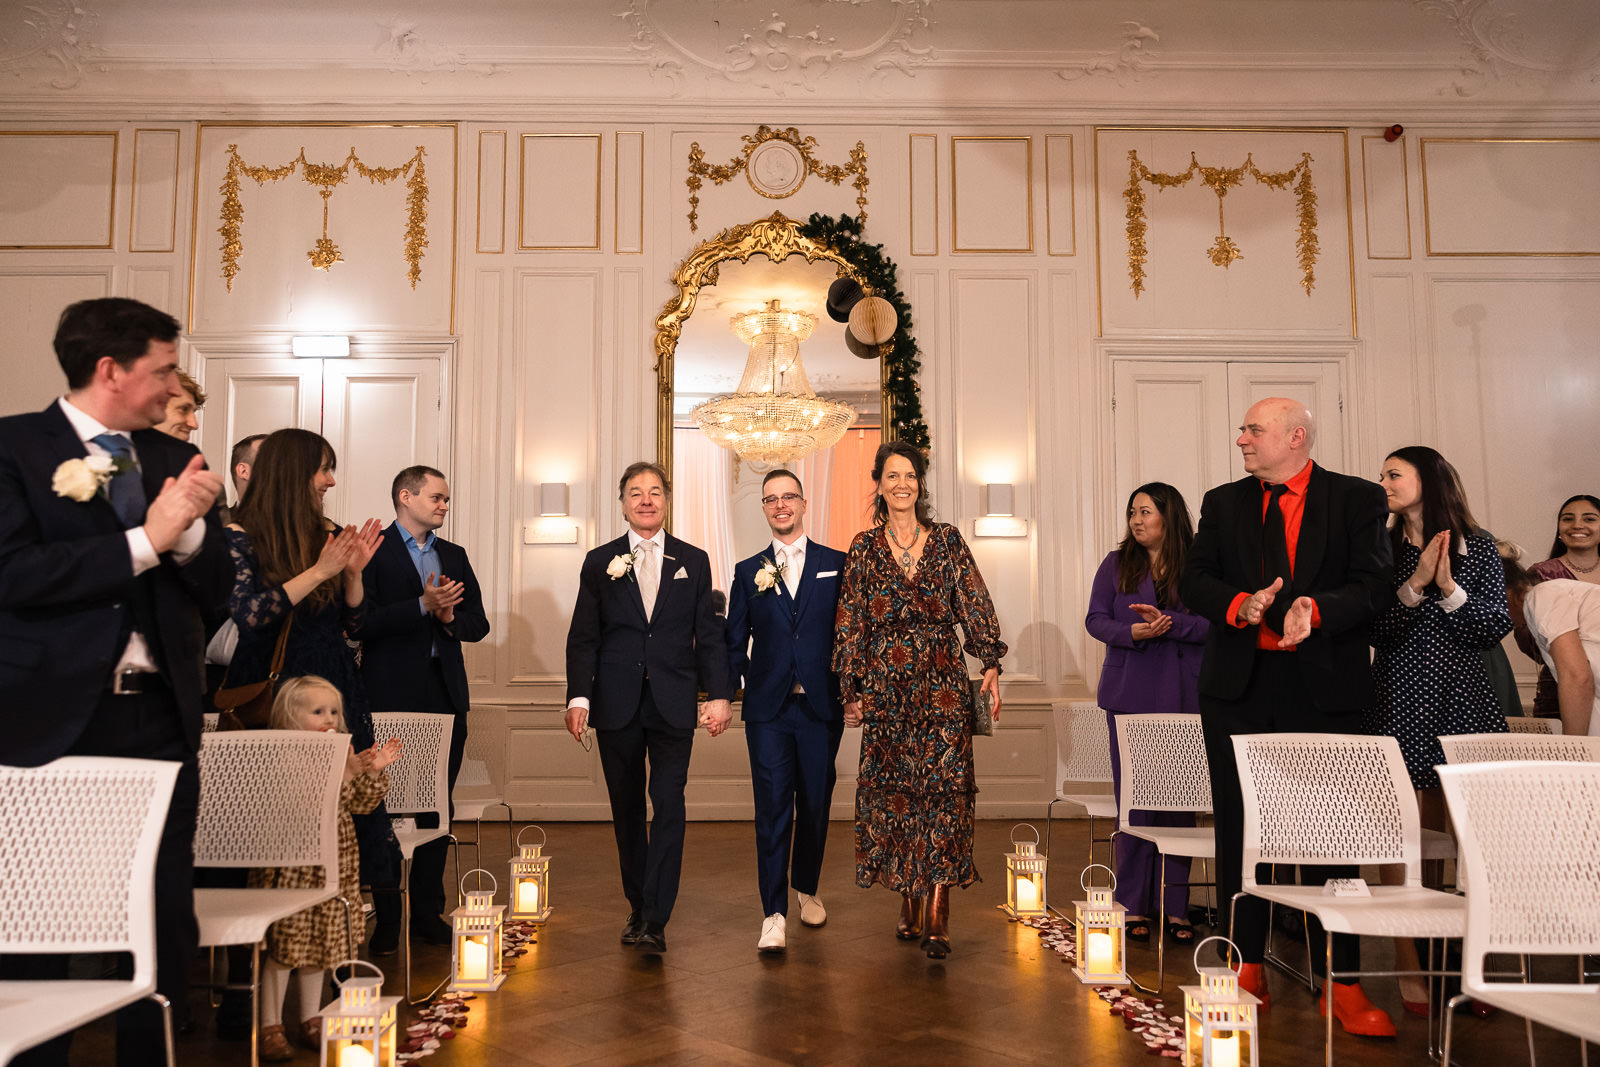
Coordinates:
(792, 776)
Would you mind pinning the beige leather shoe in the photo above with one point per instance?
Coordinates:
(773, 936)
(812, 913)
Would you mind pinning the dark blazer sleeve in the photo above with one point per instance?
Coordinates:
(471, 623)
(738, 627)
(710, 636)
(583, 633)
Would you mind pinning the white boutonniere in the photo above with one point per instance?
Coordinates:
(622, 565)
(81, 479)
(768, 576)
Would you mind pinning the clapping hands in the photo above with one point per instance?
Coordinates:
(348, 551)
(440, 595)
(1155, 622)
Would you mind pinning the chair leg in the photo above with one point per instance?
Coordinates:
(405, 918)
(255, 1005)
(166, 1026)
(1449, 1013)
(1327, 978)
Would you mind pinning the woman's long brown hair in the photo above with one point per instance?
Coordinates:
(281, 512)
(1133, 561)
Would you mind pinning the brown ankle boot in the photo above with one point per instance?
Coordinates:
(909, 928)
(937, 939)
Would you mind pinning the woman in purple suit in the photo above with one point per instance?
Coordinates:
(1153, 647)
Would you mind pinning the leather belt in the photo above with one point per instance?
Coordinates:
(132, 683)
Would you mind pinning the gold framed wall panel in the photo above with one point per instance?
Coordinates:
(578, 244)
(1371, 182)
(924, 181)
(145, 145)
(1057, 160)
(1025, 245)
(491, 158)
(331, 310)
(47, 178)
(1580, 188)
(628, 144)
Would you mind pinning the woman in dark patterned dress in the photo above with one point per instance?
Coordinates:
(1429, 675)
(907, 584)
(288, 556)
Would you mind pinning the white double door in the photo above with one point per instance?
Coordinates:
(380, 409)
(1176, 420)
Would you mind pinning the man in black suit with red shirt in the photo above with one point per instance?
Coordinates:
(110, 555)
(1290, 564)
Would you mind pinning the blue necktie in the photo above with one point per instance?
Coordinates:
(126, 488)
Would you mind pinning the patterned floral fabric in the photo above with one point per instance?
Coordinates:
(317, 937)
(895, 647)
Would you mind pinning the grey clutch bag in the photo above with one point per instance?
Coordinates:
(982, 710)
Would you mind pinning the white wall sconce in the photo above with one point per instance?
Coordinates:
(550, 528)
(321, 346)
(552, 498)
(997, 519)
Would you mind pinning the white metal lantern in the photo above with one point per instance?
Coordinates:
(1025, 870)
(476, 929)
(358, 1028)
(1102, 933)
(530, 880)
(1219, 1018)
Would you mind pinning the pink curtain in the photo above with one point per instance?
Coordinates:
(851, 490)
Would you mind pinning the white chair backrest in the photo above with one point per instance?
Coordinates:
(1083, 746)
(1164, 765)
(1529, 833)
(419, 780)
(208, 722)
(270, 798)
(77, 863)
(1525, 724)
(1327, 798)
(1486, 748)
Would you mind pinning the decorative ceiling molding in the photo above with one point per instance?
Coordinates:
(405, 51)
(1531, 41)
(774, 50)
(1124, 63)
(47, 38)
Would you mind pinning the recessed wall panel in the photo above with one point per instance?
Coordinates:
(991, 194)
(630, 194)
(560, 191)
(1387, 191)
(1060, 206)
(33, 303)
(492, 191)
(58, 188)
(1512, 197)
(154, 225)
(924, 194)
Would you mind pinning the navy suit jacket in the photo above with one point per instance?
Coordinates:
(612, 648)
(793, 636)
(397, 635)
(1342, 561)
(66, 589)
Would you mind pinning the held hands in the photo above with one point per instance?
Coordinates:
(577, 719)
(852, 713)
(440, 595)
(1154, 625)
(716, 714)
(1256, 604)
(181, 501)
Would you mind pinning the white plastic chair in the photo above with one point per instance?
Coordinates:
(79, 876)
(208, 722)
(475, 793)
(418, 783)
(1527, 724)
(268, 798)
(1083, 754)
(1164, 768)
(1530, 833)
(1323, 799)
(1488, 748)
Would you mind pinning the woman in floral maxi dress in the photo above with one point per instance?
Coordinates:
(907, 584)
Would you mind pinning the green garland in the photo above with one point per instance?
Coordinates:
(843, 235)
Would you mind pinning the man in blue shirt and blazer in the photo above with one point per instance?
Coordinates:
(780, 643)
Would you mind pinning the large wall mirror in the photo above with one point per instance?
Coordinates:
(716, 495)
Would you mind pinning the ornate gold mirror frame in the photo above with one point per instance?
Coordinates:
(777, 237)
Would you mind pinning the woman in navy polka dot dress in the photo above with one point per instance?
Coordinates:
(1450, 605)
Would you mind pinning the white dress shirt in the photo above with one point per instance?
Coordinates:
(793, 558)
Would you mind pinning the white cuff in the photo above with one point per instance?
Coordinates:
(1407, 597)
(142, 551)
(1454, 600)
(190, 542)
(579, 702)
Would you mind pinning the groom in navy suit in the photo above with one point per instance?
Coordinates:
(785, 598)
(110, 555)
(645, 639)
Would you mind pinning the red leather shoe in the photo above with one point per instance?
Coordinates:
(1253, 980)
(1355, 1012)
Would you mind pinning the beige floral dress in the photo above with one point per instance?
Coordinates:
(317, 937)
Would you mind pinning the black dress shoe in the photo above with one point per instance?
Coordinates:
(233, 1016)
(652, 939)
(385, 940)
(432, 930)
(632, 928)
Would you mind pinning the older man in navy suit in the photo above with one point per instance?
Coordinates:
(780, 643)
(644, 640)
(110, 555)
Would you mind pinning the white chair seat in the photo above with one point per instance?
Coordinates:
(44, 1010)
(1437, 845)
(473, 809)
(1391, 911)
(1559, 1007)
(1097, 805)
(413, 838)
(241, 916)
(1193, 842)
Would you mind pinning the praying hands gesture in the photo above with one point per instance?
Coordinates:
(1434, 566)
(440, 595)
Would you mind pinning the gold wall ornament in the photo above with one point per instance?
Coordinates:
(775, 162)
(325, 177)
(1219, 180)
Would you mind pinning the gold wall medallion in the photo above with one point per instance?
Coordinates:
(325, 177)
(1223, 252)
(775, 162)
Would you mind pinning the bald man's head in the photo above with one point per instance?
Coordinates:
(1275, 438)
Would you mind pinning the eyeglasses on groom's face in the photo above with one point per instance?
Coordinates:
(790, 499)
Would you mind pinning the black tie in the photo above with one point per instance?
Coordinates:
(1274, 544)
(126, 488)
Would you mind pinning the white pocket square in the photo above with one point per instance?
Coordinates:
(827, 574)
(681, 574)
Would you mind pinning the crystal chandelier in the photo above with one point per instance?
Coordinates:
(774, 417)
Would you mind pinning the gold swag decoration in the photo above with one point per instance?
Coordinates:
(325, 177)
(828, 172)
(1220, 180)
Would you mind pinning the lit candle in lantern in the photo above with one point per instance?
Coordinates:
(1027, 895)
(355, 1056)
(474, 961)
(1099, 951)
(1225, 1051)
(527, 897)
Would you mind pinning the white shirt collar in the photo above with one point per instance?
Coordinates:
(87, 427)
(799, 546)
(659, 540)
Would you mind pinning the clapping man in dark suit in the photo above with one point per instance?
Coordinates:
(422, 601)
(110, 555)
(784, 600)
(1291, 564)
(644, 640)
